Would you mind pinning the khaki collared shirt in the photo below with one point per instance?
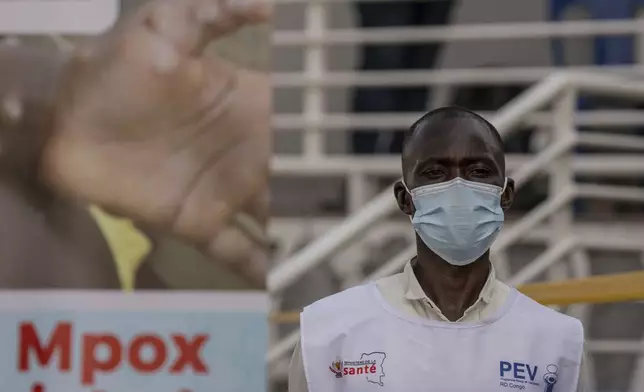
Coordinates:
(403, 291)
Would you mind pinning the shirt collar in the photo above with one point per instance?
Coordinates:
(414, 292)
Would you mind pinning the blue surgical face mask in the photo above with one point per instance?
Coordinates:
(458, 220)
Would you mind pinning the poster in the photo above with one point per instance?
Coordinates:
(146, 342)
(133, 247)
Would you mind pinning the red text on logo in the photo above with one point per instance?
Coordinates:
(366, 369)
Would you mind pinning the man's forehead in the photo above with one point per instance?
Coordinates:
(455, 137)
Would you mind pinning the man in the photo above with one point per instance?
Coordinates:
(143, 124)
(445, 323)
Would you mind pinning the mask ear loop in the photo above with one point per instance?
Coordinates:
(411, 217)
(505, 185)
(406, 188)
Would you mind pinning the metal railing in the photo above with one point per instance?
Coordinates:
(562, 90)
(480, 32)
(506, 120)
(550, 223)
(317, 36)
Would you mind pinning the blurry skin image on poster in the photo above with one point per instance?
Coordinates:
(135, 160)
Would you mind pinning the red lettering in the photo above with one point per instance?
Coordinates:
(91, 364)
(60, 340)
(345, 371)
(352, 371)
(158, 358)
(372, 369)
(360, 370)
(189, 354)
(103, 353)
(37, 387)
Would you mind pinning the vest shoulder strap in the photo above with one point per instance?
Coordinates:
(328, 317)
(546, 319)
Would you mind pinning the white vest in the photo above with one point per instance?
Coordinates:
(355, 341)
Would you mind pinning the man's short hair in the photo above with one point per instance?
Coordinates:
(450, 112)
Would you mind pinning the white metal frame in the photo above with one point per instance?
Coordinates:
(561, 89)
(468, 32)
(314, 79)
(553, 219)
(506, 120)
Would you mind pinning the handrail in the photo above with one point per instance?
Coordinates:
(459, 32)
(525, 173)
(437, 77)
(313, 254)
(532, 219)
(340, 122)
(553, 254)
(614, 165)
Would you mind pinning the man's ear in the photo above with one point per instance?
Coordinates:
(403, 198)
(507, 198)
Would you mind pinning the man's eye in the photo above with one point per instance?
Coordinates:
(480, 172)
(433, 173)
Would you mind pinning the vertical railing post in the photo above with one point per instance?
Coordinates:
(314, 69)
(359, 190)
(562, 176)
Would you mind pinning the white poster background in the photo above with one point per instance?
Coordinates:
(234, 326)
(36, 17)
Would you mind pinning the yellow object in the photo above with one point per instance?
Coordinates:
(129, 246)
(594, 290)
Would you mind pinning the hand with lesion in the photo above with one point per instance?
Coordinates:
(149, 127)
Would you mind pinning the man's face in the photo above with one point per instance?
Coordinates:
(448, 148)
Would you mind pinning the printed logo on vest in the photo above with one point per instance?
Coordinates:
(370, 366)
(517, 375)
(551, 377)
(336, 367)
